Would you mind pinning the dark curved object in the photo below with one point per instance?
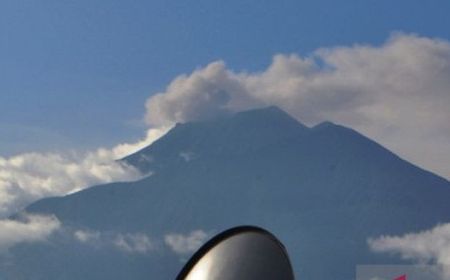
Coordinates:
(240, 253)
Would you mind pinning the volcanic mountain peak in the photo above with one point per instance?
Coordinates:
(239, 133)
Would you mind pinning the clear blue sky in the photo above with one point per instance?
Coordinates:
(76, 74)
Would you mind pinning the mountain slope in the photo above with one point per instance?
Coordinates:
(323, 191)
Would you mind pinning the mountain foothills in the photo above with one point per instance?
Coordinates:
(322, 190)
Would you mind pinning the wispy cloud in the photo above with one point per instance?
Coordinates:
(87, 236)
(185, 243)
(396, 93)
(140, 242)
(30, 228)
(130, 243)
(134, 243)
(430, 246)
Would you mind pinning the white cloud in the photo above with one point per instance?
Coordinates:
(86, 236)
(206, 93)
(140, 243)
(28, 177)
(184, 244)
(397, 93)
(134, 243)
(25, 178)
(30, 228)
(430, 246)
(131, 243)
(153, 134)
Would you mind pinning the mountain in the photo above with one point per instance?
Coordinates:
(323, 191)
(244, 133)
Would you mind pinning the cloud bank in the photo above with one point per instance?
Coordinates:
(431, 246)
(397, 93)
(25, 178)
(31, 228)
(28, 177)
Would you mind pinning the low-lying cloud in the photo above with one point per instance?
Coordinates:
(183, 244)
(130, 243)
(25, 178)
(29, 228)
(141, 243)
(427, 247)
(28, 177)
(397, 93)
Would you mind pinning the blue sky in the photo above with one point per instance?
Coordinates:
(76, 74)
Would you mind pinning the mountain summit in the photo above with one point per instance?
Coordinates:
(240, 133)
(322, 190)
